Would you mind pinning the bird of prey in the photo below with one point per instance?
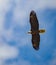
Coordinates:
(35, 30)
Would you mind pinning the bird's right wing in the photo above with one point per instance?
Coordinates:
(36, 41)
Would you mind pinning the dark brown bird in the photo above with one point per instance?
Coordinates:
(35, 30)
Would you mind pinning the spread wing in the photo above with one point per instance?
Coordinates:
(34, 27)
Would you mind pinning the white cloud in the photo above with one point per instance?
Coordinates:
(7, 52)
(23, 8)
(32, 4)
(8, 34)
(5, 6)
(23, 41)
(2, 62)
(19, 17)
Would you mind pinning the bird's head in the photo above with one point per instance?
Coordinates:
(32, 13)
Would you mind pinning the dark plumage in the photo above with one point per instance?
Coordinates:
(34, 28)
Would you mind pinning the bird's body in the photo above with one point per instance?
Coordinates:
(35, 30)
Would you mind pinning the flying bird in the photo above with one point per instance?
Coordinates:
(35, 30)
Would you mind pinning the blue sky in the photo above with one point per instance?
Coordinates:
(15, 43)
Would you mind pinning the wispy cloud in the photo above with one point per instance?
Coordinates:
(7, 52)
(22, 9)
(5, 6)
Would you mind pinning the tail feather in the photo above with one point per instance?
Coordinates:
(41, 31)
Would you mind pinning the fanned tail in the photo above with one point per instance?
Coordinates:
(41, 31)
